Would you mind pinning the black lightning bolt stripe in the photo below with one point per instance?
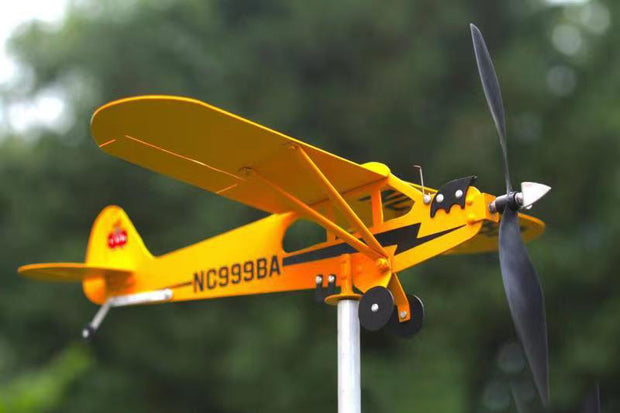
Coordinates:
(405, 238)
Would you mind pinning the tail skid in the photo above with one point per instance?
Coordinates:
(149, 297)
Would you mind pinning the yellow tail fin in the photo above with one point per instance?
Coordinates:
(114, 241)
(115, 250)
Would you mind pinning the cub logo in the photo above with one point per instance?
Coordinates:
(118, 237)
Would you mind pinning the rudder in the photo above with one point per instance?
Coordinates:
(114, 241)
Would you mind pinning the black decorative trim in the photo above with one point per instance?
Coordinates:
(447, 194)
(405, 238)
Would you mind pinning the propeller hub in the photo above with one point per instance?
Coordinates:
(530, 193)
(510, 200)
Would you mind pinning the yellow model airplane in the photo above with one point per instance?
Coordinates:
(375, 224)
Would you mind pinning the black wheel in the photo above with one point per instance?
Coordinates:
(376, 308)
(411, 327)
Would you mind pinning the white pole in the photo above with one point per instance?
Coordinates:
(348, 357)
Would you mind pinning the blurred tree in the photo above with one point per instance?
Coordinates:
(43, 389)
(393, 82)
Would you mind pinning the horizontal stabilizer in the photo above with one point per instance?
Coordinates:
(70, 272)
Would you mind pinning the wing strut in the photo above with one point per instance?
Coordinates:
(302, 207)
(340, 203)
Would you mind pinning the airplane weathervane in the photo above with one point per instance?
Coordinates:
(375, 225)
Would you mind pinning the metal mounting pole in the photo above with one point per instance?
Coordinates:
(348, 357)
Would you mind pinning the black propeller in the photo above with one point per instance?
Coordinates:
(523, 290)
(493, 94)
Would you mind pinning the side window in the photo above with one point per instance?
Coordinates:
(302, 234)
(362, 205)
(395, 204)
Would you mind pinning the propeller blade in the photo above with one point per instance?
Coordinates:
(592, 402)
(492, 93)
(525, 298)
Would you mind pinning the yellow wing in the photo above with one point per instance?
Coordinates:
(207, 147)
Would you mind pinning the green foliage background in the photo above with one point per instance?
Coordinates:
(390, 81)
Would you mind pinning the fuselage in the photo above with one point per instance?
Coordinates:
(252, 259)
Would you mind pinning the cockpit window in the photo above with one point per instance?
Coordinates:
(360, 203)
(304, 233)
(395, 204)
